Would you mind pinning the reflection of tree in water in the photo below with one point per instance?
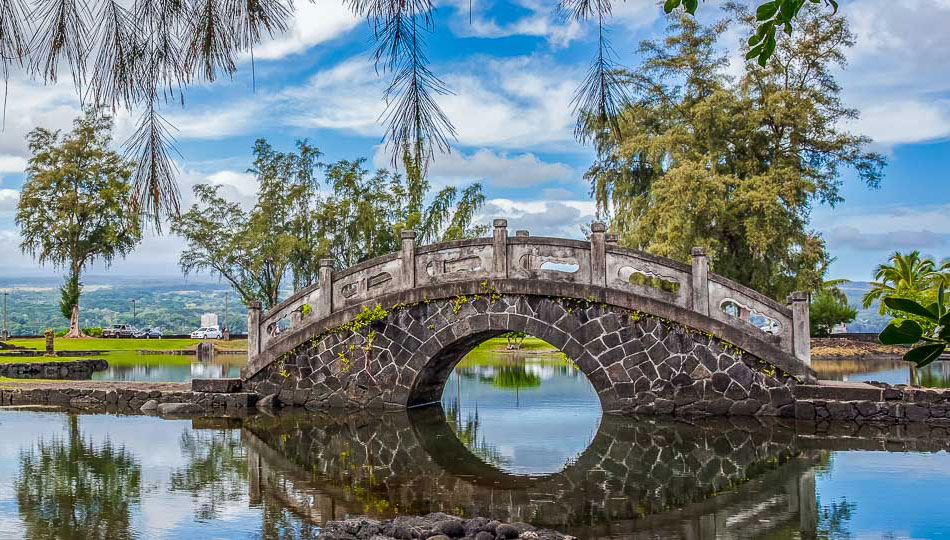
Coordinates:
(507, 377)
(833, 519)
(467, 433)
(216, 472)
(74, 489)
(279, 523)
(936, 375)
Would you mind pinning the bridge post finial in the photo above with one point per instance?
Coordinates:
(253, 329)
(499, 268)
(801, 326)
(325, 279)
(598, 254)
(407, 256)
(700, 282)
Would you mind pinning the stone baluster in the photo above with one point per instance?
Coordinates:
(407, 256)
(325, 278)
(254, 329)
(521, 233)
(499, 268)
(700, 283)
(612, 240)
(801, 326)
(598, 254)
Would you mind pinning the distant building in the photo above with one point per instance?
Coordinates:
(209, 319)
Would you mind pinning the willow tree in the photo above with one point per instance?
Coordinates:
(77, 205)
(733, 164)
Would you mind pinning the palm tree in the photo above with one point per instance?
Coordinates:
(907, 276)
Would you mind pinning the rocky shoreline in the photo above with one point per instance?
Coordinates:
(436, 526)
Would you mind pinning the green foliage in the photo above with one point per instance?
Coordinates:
(909, 277)
(291, 227)
(905, 331)
(514, 340)
(255, 250)
(827, 310)
(69, 295)
(734, 165)
(77, 205)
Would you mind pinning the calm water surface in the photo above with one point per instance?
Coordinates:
(132, 366)
(518, 437)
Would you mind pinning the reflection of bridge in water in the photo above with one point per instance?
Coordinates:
(655, 478)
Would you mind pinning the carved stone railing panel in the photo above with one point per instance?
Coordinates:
(288, 314)
(648, 276)
(744, 308)
(454, 263)
(359, 284)
(551, 259)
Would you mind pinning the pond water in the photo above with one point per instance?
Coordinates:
(518, 437)
(134, 366)
(895, 371)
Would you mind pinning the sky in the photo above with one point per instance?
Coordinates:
(513, 68)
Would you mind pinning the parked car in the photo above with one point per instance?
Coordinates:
(207, 332)
(119, 331)
(150, 333)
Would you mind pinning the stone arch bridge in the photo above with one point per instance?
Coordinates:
(651, 334)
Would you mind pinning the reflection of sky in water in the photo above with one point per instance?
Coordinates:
(530, 429)
(895, 495)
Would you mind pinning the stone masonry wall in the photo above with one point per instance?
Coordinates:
(77, 369)
(636, 363)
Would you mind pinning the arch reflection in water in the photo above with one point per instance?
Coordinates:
(636, 476)
(528, 411)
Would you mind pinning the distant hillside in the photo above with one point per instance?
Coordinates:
(868, 320)
(175, 304)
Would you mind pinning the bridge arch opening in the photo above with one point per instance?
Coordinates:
(520, 405)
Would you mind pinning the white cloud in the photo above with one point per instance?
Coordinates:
(496, 169)
(12, 164)
(8, 200)
(541, 218)
(543, 20)
(313, 23)
(245, 184)
(904, 121)
(347, 96)
(899, 70)
(520, 103)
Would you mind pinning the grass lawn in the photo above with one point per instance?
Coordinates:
(99, 344)
(492, 353)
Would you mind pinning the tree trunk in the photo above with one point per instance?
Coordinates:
(74, 330)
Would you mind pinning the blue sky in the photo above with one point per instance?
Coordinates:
(513, 69)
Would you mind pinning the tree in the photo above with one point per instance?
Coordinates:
(732, 165)
(141, 55)
(827, 311)
(366, 212)
(76, 206)
(907, 276)
(291, 228)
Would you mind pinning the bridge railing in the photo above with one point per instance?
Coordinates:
(599, 262)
